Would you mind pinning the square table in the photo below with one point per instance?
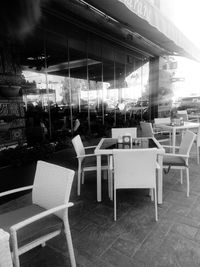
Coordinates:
(106, 146)
(174, 128)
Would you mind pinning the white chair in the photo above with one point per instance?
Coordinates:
(158, 129)
(86, 162)
(45, 218)
(76, 125)
(182, 114)
(158, 121)
(180, 159)
(147, 131)
(134, 168)
(119, 132)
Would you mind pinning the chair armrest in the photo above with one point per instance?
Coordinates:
(162, 140)
(88, 147)
(194, 120)
(171, 146)
(16, 190)
(86, 155)
(39, 216)
(157, 166)
(176, 155)
(158, 131)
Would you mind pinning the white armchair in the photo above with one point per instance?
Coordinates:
(86, 162)
(180, 160)
(147, 131)
(45, 218)
(185, 116)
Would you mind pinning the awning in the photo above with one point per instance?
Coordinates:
(147, 20)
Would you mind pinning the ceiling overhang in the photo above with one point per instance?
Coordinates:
(147, 21)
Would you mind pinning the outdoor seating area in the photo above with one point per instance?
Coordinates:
(135, 236)
(99, 134)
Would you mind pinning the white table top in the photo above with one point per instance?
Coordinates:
(186, 125)
(105, 151)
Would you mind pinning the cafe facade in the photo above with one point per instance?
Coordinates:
(107, 63)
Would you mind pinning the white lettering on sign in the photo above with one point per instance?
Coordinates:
(141, 8)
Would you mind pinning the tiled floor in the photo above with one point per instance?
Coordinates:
(135, 239)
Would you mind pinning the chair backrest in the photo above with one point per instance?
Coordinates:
(119, 132)
(78, 145)
(134, 168)
(52, 185)
(182, 111)
(76, 125)
(186, 143)
(147, 129)
(182, 114)
(158, 121)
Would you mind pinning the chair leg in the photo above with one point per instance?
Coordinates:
(181, 172)
(79, 180)
(111, 187)
(110, 177)
(83, 177)
(188, 182)
(16, 261)
(69, 242)
(15, 254)
(197, 155)
(115, 208)
(155, 202)
(105, 175)
(151, 194)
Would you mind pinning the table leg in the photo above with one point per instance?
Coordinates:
(98, 178)
(160, 180)
(173, 139)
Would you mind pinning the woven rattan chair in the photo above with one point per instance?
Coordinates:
(147, 131)
(180, 159)
(134, 168)
(119, 132)
(45, 218)
(86, 162)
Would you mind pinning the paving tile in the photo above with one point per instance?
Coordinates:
(188, 220)
(184, 230)
(117, 259)
(177, 209)
(151, 245)
(163, 259)
(195, 210)
(44, 257)
(126, 247)
(102, 221)
(186, 251)
(180, 198)
(89, 245)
